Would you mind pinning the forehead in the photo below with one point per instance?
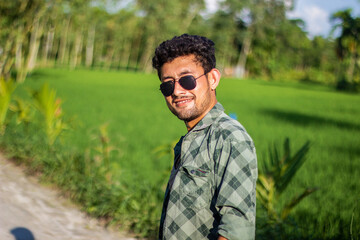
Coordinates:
(180, 65)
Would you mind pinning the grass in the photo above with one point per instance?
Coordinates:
(139, 121)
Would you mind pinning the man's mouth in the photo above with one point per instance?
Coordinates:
(182, 102)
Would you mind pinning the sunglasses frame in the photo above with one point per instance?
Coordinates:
(172, 82)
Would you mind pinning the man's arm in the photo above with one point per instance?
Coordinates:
(236, 190)
(222, 238)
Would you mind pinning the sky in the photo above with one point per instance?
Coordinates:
(315, 13)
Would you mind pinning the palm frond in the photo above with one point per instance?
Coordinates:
(275, 175)
(295, 201)
(292, 165)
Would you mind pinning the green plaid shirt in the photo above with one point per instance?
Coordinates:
(211, 190)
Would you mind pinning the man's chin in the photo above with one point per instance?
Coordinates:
(185, 116)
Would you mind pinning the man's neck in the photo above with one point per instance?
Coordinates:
(191, 124)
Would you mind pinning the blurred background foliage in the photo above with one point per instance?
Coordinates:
(254, 38)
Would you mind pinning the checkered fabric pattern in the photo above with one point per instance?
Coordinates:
(211, 190)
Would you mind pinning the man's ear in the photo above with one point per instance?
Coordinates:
(214, 78)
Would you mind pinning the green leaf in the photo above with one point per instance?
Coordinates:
(50, 107)
(292, 165)
(295, 201)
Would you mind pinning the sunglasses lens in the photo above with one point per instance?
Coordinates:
(167, 88)
(188, 82)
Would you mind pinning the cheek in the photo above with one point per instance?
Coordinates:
(202, 92)
(202, 86)
(168, 100)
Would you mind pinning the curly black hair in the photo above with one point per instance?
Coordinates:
(202, 47)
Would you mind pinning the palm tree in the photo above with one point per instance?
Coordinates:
(348, 43)
(275, 174)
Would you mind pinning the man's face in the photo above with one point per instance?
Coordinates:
(192, 104)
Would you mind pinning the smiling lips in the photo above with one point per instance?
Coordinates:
(181, 102)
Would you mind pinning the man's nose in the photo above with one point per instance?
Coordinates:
(178, 89)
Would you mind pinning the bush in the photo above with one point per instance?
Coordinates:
(344, 85)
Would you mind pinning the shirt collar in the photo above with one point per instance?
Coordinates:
(209, 118)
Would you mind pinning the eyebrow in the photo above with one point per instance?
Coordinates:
(182, 73)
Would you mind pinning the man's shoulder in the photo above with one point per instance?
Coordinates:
(230, 130)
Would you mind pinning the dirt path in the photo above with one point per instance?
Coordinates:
(30, 211)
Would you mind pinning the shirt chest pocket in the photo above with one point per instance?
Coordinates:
(194, 187)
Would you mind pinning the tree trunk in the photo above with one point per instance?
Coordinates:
(48, 46)
(63, 42)
(351, 68)
(19, 61)
(30, 63)
(77, 49)
(34, 45)
(134, 51)
(125, 53)
(8, 65)
(239, 71)
(90, 46)
(18, 51)
(5, 57)
(146, 56)
(108, 58)
(98, 52)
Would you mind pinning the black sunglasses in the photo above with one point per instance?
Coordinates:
(187, 82)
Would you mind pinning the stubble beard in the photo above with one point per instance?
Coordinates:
(188, 115)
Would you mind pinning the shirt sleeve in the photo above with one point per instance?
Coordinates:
(235, 182)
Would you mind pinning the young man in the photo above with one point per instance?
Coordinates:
(211, 190)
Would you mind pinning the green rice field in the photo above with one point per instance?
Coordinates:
(139, 122)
